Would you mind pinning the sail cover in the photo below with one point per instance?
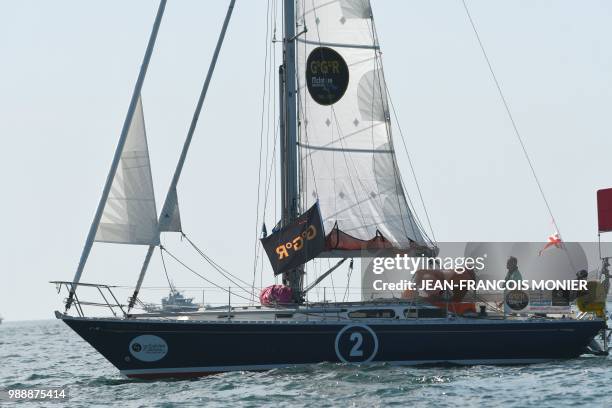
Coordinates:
(130, 216)
(347, 159)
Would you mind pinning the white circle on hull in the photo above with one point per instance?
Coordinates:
(356, 343)
(148, 348)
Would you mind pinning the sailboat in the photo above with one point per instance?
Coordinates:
(342, 195)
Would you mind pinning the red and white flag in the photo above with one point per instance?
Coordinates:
(553, 240)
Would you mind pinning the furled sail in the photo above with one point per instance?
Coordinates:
(130, 216)
(347, 159)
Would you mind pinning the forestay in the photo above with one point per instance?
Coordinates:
(347, 160)
(130, 216)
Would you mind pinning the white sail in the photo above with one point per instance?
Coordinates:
(170, 220)
(130, 216)
(347, 159)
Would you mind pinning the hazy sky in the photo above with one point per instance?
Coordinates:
(67, 69)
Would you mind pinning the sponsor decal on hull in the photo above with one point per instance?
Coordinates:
(148, 348)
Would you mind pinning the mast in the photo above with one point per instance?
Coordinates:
(115, 163)
(282, 115)
(289, 179)
(171, 196)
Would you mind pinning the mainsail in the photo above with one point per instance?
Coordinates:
(347, 159)
(130, 216)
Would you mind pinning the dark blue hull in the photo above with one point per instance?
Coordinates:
(157, 348)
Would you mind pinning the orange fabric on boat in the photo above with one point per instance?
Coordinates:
(456, 278)
(435, 297)
(459, 308)
(337, 239)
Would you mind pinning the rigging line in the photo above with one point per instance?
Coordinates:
(323, 276)
(376, 61)
(411, 165)
(218, 267)
(341, 136)
(331, 278)
(374, 147)
(302, 129)
(185, 288)
(302, 108)
(269, 176)
(91, 235)
(161, 253)
(308, 157)
(261, 132)
(346, 136)
(305, 160)
(315, 275)
(276, 130)
(348, 282)
(271, 95)
(399, 184)
(400, 189)
(264, 109)
(517, 133)
(359, 201)
(260, 275)
(272, 169)
(215, 265)
(346, 163)
(414, 176)
(505, 103)
(203, 278)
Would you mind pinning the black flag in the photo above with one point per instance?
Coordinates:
(297, 243)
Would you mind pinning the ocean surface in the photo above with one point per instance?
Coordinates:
(48, 354)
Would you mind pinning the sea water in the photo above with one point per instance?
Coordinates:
(42, 354)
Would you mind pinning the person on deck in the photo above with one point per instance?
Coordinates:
(513, 273)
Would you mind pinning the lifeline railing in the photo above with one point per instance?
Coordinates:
(108, 296)
(101, 288)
